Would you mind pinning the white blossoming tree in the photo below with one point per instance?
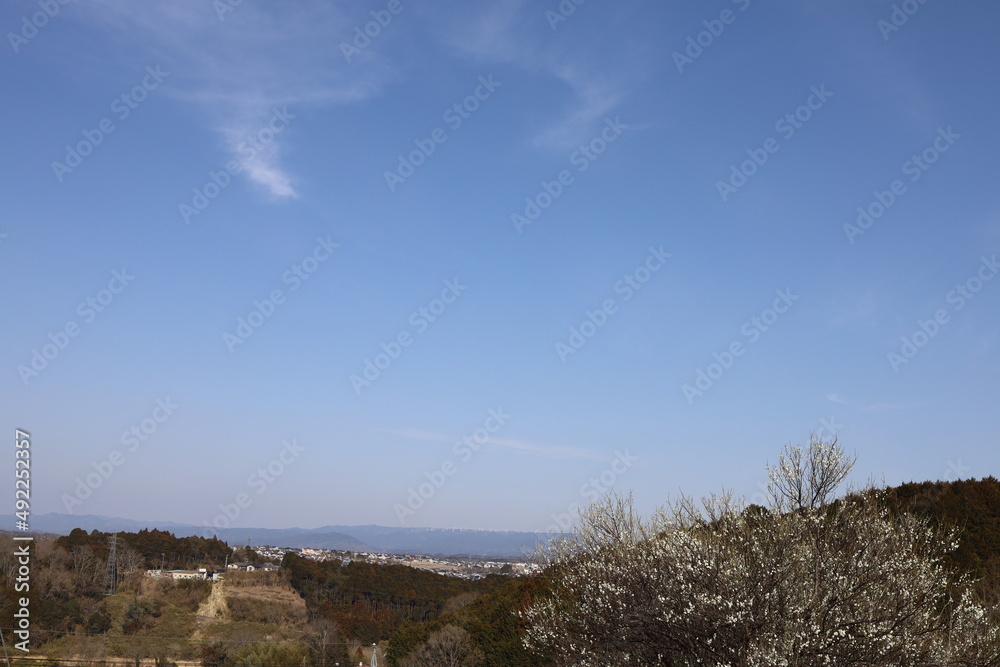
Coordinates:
(805, 581)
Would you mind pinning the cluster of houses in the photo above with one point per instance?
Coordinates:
(457, 566)
(463, 568)
(211, 575)
(200, 573)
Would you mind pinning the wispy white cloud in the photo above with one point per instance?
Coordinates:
(593, 100)
(522, 446)
(489, 32)
(237, 71)
(500, 33)
(259, 160)
(548, 451)
(872, 407)
(882, 407)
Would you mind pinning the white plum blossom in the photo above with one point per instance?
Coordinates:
(806, 581)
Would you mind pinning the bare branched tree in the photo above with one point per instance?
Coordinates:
(323, 640)
(8, 561)
(88, 570)
(83, 559)
(129, 561)
(448, 647)
(808, 478)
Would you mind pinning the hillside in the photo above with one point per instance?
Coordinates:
(369, 602)
(310, 609)
(970, 506)
(307, 609)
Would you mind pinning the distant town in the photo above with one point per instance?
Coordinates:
(461, 567)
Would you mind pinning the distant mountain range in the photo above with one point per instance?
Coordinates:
(387, 539)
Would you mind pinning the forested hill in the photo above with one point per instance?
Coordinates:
(970, 505)
(155, 547)
(369, 602)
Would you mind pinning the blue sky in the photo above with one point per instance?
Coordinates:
(697, 169)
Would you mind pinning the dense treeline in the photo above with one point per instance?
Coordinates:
(62, 597)
(971, 506)
(368, 602)
(155, 547)
(65, 589)
(68, 576)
